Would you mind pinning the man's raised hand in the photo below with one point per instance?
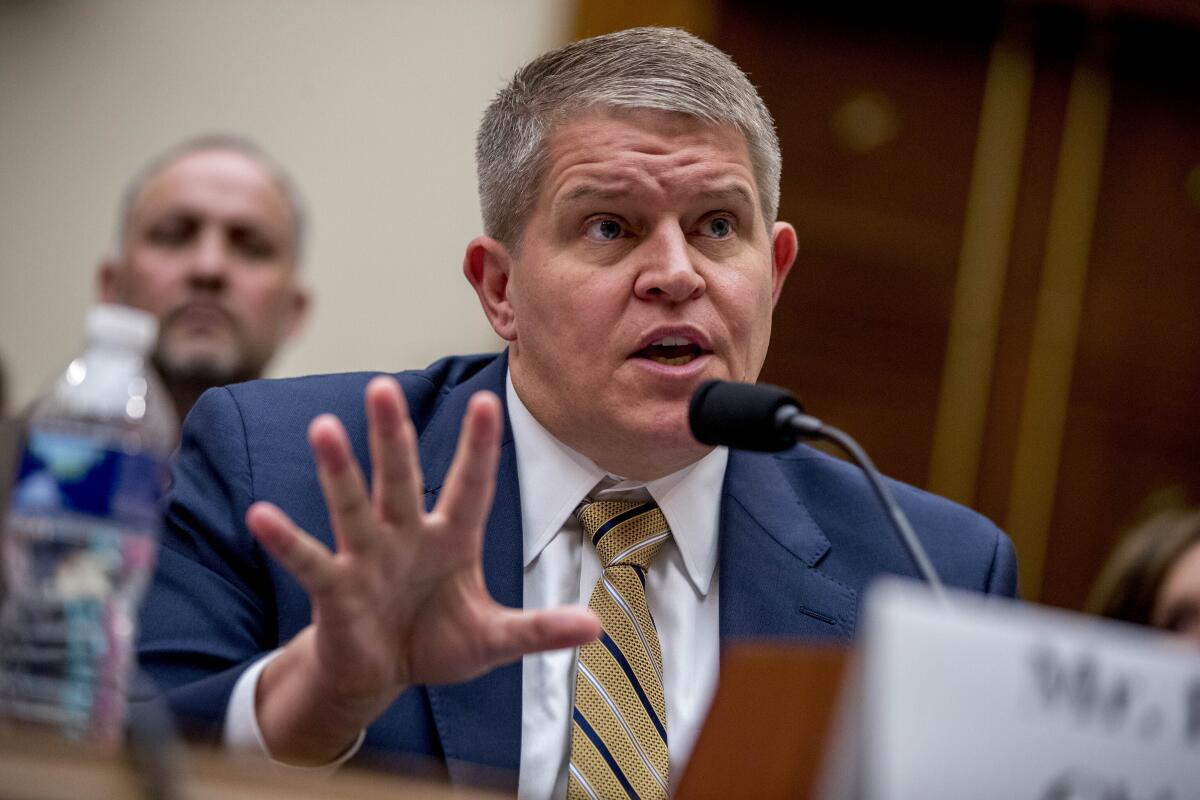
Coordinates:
(403, 599)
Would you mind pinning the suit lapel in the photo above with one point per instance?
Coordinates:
(479, 722)
(770, 550)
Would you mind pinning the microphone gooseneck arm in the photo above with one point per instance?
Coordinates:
(790, 418)
(769, 419)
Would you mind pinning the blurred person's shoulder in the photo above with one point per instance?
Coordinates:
(275, 403)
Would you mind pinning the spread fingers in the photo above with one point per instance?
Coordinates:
(342, 484)
(397, 487)
(309, 561)
(466, 498)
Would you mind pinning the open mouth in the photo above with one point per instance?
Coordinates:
(673, 351)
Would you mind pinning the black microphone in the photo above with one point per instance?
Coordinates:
(766, 418)
(749, 416)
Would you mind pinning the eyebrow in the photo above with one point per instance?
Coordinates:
(236, 220)
(731, 194)
(589, 192)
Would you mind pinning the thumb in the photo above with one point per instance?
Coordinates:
(516, 633)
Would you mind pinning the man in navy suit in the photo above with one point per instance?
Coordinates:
(420, 589)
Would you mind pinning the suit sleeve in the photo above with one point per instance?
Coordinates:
(209, 610)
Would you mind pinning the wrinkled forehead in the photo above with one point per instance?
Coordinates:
(600, 126)
(633, 150)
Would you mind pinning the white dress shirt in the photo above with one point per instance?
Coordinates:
(561, 567)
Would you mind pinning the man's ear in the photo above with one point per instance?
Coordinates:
(783, 255)
(488, 266)
(107, 277)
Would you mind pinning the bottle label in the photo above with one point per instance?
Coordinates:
(80, 543)
(65, 473)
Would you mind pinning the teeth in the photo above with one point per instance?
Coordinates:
(673, 362)
(671, 341)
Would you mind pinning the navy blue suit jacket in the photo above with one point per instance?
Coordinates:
(800, 537)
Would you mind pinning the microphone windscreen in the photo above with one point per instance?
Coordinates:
(740, 415)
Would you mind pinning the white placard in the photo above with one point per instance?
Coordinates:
(992, 699)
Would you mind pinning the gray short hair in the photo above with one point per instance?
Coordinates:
(665, 69)
(207, 142)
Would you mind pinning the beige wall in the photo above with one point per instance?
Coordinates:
(372, 104)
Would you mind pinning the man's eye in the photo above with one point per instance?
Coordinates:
(604, 230)
(252, 243)
(717, 227)
(172, 232)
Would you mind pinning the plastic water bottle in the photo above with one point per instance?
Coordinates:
(82, 530)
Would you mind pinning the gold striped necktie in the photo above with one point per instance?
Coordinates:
(619, 724)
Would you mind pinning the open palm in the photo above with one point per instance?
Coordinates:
(403, 600)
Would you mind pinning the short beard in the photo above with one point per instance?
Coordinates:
(192, 372)
(195, 375)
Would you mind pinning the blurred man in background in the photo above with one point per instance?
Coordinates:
(209, 242)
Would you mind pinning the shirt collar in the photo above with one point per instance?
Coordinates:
(553, 479)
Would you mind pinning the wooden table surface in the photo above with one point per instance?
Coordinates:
(34, 766)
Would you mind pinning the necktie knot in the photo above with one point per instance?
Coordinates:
(625, 532)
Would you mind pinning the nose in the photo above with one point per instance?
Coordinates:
(209, 260)
(668, 268)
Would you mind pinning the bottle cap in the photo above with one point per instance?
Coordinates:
(122, 326)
